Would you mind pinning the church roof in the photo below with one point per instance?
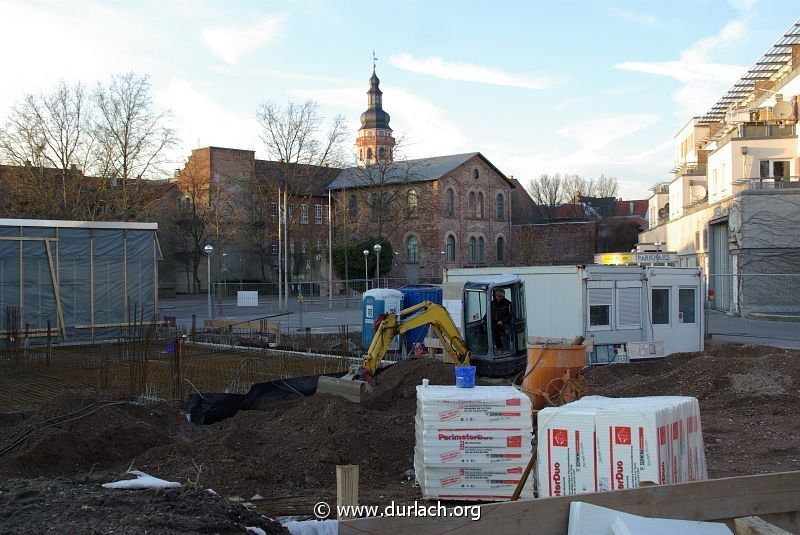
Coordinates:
(406, 171)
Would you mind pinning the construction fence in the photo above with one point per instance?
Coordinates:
(757, 307)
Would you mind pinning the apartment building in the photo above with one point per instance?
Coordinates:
(733, 205)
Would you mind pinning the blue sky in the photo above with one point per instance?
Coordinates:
(583, 87)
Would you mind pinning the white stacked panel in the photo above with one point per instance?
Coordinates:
(654, 439)
(472, 443)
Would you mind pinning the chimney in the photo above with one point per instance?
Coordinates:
(631, 205)
(73, 167)
(177, 173)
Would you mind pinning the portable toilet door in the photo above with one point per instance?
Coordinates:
(375, 303)
(414, 294)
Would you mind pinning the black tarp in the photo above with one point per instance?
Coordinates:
(207, 409)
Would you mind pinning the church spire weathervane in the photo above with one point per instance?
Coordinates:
(374, 60)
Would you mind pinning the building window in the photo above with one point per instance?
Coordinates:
(304, 214)
(450, 248)
(481, 247)
(471, 204)
(318, 214)
(501, 209)
(696, 240)
(291, 212)
(274, 248)
(369, 154)
(273, 211)
(501, 249)
(475, 174)
(381, 153)
(413, 202)
(449, 202)
(303, 246)
(376, 200)
(352, 207)
(412, 248)
(660, 306)
(319, 244)
(480, 205)
(686, 308)
(291, 246)
(599, 299)
(472, 249)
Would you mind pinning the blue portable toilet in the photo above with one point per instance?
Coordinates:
(375, 302)
(414, 294)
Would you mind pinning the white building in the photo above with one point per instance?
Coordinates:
(733, 206)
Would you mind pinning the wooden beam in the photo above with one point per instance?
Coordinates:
(713, 500)
(753, 525)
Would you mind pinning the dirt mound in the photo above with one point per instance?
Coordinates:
(296, 449)
(82, 505)
(749, 398)
(79, 431)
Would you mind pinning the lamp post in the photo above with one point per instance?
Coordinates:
(377, 248)
(366, 269)
(209, 250)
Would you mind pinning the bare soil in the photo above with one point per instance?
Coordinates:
(287, 451)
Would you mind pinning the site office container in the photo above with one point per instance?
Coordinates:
(609, 305)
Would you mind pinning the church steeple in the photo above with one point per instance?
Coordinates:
(375, 141)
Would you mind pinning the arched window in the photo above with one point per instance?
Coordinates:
(412, 247)
(381, 153)
(501, 209)
(471, 204)
(472, 249)
(480, 205)
(352, 207)
(481, 247)
(451, 248)
(375, 208)
(369, 154)
(501, 249)
(413, 201)
(475, 174)
(449, 202)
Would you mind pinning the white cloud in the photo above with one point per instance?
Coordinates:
(640, 18)
(424, 127)
(470, 72)
(231, 42)
(201, 121)
(703, 81)
(566, 104)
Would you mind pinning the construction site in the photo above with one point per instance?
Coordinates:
(241, 425)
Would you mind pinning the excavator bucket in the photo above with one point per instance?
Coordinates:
(351, 389)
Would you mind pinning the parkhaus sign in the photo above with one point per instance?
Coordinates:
(635, 258)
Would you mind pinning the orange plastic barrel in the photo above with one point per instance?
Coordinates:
(546, 363)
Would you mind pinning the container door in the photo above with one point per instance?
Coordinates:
(475, 315)
(520, 320)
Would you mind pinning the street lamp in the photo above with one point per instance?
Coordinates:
(377, 248)
(209, 250)
(366, 269)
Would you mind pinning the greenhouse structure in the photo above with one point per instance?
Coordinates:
(83, 279)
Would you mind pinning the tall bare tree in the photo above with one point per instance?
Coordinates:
(548, 192)
(606, 186)
(133, 137)
(303, 145)
(49, 137)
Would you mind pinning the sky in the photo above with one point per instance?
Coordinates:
(582, 86)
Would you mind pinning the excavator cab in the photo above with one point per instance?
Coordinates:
(495, 324)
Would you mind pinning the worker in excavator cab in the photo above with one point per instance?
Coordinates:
(501, 317)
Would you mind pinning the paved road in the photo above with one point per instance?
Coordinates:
(753, 331)
(318, 313)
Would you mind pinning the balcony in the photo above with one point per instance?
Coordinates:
(765, 130)
(770, 183)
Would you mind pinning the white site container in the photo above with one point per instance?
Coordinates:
(559, 301)
(472, 443)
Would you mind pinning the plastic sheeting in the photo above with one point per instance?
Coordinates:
(105, 278)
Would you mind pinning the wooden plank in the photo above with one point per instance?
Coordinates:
(716, 499)
(753, 525)
(346, 487)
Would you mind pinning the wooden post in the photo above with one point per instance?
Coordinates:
(346, 487)
(194, 324)
(753, 525)
(179, 369)
(49, 343)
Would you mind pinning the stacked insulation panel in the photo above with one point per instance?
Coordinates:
(472, 443)
(597, 444)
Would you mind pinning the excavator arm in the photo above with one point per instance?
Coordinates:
(425, 313)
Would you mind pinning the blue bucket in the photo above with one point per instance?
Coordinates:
(465, 376)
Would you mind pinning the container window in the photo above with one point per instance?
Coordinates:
(599, 315)
(660, 306)
(686, 305)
